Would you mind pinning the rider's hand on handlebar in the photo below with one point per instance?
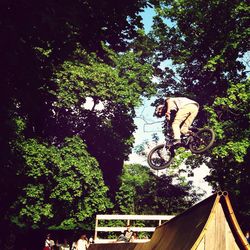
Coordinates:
(167, 115)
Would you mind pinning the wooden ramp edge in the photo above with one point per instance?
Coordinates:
(188, 230)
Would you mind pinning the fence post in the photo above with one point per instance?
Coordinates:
(96, 225)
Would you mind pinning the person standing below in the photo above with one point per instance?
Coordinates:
(64, 246)
(47, 243)
(52, 244)
(186, 111)
(134, 237)
(91, 240)
(247, 236)
(82, 243)
(73, 247)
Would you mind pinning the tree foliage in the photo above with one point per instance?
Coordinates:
(229, 117)
(57, 56)
(54, 60)
(117, 84)
(230, 120)
(207, 42)
(142, 192)
(64, 177)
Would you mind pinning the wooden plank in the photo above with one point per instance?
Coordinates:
(235, 224)
(230, 240)
(205, 232)
(121, 229)
(96, 226)
(133, 217)
(201, 245)
(220, 230)
(98, 241)
(210, 243)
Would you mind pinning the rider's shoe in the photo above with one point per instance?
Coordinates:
(185, 138)
(189, 133)
(175, 143)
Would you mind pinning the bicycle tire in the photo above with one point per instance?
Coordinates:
(160, 157)
(202, 141)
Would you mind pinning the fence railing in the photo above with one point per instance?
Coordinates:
(128, 219)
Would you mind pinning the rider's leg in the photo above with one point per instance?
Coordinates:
(193, 111)
(180, 117)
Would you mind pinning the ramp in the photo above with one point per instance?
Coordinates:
(209, 225)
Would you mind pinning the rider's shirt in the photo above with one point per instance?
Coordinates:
(176, 103)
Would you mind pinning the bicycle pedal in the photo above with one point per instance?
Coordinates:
(179, 145)
(168, 146)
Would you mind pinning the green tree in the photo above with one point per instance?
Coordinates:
(206, 42)
(142, 192)
(133, 176)
(118, 86)
(49, 70)
(45, 41)
(229, 117)
(64, 177)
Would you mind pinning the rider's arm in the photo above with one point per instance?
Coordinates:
(168, 111)
(170, 106)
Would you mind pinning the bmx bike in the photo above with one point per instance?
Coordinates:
(199, 141)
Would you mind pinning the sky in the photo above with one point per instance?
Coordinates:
(147, 125)
(147, 18)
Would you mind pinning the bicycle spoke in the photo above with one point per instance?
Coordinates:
(202, 140)
(160, 157)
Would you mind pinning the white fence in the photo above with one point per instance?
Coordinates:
(127, 219)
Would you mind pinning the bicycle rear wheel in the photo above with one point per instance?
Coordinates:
(160, 157)
(202, 140)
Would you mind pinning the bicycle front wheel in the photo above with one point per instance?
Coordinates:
(160, 157)
(202, 141)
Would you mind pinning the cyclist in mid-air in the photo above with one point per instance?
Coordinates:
(186, 111)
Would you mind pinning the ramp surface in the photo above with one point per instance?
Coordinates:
(188, 230)
(182, 231)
